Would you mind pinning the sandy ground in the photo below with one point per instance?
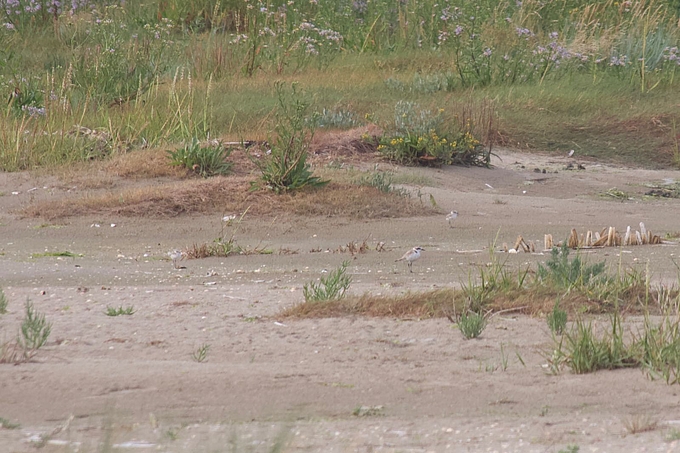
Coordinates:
(333, 385)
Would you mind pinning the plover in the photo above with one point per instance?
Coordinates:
(411, 256)
(451, 217)
(176, 256)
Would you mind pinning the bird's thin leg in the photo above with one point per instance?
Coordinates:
(409, 266)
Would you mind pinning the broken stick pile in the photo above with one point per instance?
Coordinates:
(608, 237)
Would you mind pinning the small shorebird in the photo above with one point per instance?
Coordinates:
(176, 256)
(411, 256)
(451, 217)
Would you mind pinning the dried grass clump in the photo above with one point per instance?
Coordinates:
(165, 200)
(230, 194)
(430, 304)
(357, 202)
(142, 164)
(442, 303)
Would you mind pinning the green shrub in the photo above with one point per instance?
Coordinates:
(567, 274)
(113, 311)
(203, 160)
(332, 287)
(34, 330)
(27, 100)
(416, 138)
(557, 319)
(285, 167)
(471, 324)
(382, 181)
(336, 119)
(201, 354)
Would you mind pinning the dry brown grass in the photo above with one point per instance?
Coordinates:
(430, 304)
(222, 194)
(142, 164)
(531, 300)
(357, 202)
(636, 424)
(152, 163)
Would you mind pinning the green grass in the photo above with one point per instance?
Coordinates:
(206, 161)
(65, 254)
(598, 119)
(34, 329)
(7, 424)
(332, 287)
(33, 334)
(119, 311)
(88, 86)
(201, 353)
(3, 302)
(557, 319)
(471, 325)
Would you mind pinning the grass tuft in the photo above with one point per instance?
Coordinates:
(203, 160)
(65, 254)
(34, 330)
(119, 311)
(3, 302)
(471, 325)
(557, 319)
(430, 304)
(639, 424)
(33, 334)
(200, 355)
(7, 424)
(332, 287)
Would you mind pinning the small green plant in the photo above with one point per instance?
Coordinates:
(570, 449)
(494, 278)
(504, 359)
(471, 324)
(113, 311)
(203, 160)
(383, 181)
(567, 274)
(7, 424)
(201, 354)
(285, 167)
(336, 119)
(332, 287)
(368, 411)
(34, 331)
(584, 352)
(3, 302)
(27, 102)
(672, 434)
(172, 434)
(64, 254)
(639, 424)
(557, 319)
(660, 345)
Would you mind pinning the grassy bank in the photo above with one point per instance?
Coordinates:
(597, 77)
